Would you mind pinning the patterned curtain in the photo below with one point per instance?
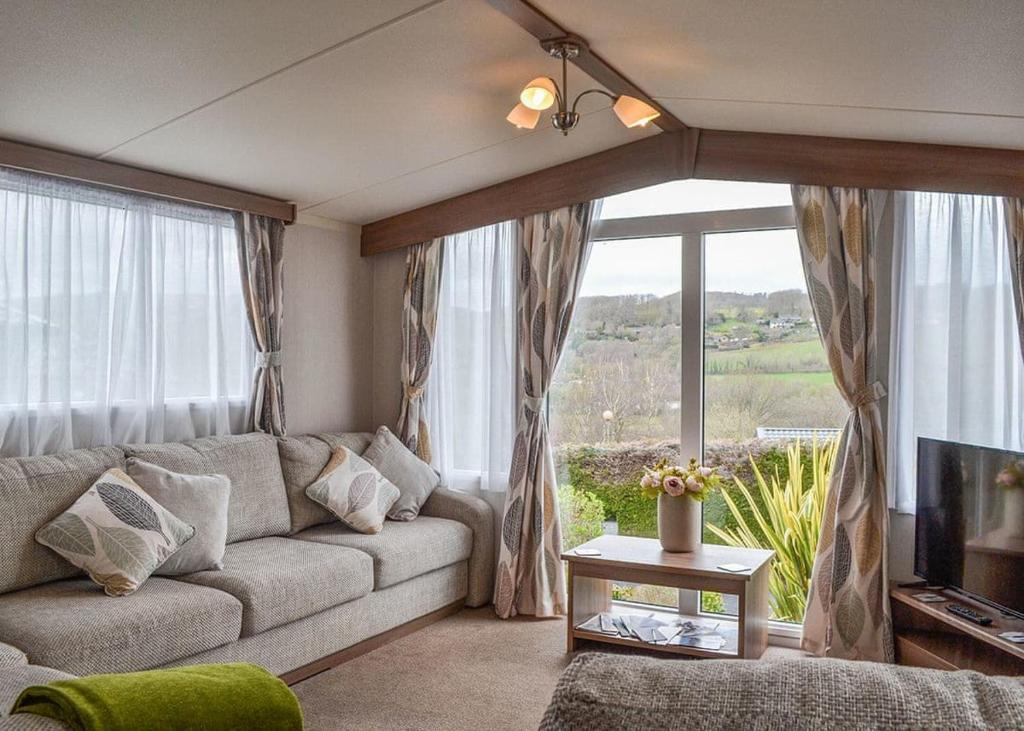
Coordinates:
(553, 250)
(261, 259)
(1015, 228)
(848, 614)
(419, 323)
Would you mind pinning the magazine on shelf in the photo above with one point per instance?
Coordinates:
(657, 630)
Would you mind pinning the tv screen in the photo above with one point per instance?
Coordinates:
(970, 521)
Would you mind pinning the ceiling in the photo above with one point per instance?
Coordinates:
(359, 109)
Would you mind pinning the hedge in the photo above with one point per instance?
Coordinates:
(611, 474)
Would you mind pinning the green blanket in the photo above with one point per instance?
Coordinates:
(226, 697)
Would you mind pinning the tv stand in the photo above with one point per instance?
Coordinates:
(927, 635)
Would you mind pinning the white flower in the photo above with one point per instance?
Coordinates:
(646, 481)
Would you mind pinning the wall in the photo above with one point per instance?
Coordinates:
(327, 328)
(388, 282)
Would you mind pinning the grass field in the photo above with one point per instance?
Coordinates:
(816, 378)
(799, 357)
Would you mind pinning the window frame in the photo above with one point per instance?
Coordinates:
(691, 229)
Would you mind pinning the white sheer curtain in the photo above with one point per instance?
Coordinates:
(956, 371)
(121, 318)
(470, 393)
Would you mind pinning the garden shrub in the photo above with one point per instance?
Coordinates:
(582, 516)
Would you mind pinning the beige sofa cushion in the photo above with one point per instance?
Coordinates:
(33, 491)
(73, 626)
(15, 680)
(116, 533)
(402, 550)
(414, 478)
(258, 506)
(11, 656)
(199, 500)
(280, 580)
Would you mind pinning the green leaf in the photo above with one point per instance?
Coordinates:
(126, 550)
(68, 532)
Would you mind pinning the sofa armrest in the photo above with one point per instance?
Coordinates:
(475, 513)
(11, 656)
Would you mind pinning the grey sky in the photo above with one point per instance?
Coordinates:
(759, 261)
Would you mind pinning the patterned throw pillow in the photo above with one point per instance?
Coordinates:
(116, 533)
(351, 488)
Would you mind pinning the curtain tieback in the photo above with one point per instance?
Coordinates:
(533, 403)
(413, 392)
(870, 394)
(268, 359)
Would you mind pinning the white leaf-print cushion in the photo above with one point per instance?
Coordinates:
(116, 533)
(353, 489)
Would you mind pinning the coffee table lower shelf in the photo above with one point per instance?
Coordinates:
(727, 627)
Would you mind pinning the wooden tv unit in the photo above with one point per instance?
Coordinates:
(927, 635)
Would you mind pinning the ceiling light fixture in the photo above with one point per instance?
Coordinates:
(544, 92)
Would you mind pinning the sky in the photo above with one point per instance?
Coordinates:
(748, 262)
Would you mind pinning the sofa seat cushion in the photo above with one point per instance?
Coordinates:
(402, 550)
(15, 680)
(73, 626)
(258, 506)
(280, 580)
(11, 656)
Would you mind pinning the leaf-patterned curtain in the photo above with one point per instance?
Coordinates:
(1015, 229)
(848, 613)
(553, 249)
(419, 324)
(261, 259)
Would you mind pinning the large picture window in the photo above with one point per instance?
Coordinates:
(693, 337)
(121, 318)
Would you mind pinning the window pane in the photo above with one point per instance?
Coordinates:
(615, 399)
(694, 196)
(768, 391)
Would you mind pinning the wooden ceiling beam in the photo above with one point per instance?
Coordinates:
(712, 155)
(543, 28)
(138, 180)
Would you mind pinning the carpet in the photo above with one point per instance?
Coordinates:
(468, 671)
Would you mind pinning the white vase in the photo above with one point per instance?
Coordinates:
(679, 528)
(1013, 512)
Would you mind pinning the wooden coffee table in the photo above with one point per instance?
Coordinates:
(642, 561)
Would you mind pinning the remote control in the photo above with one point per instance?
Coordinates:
(969, 614)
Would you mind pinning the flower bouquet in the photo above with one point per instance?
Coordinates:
(1011, 477)
(695, 481)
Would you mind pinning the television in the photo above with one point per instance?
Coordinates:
(970, 521)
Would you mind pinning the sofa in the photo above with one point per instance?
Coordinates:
(600, 691)
(296, 587)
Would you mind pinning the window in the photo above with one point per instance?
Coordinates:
(693, 337)
(121, 318)
(470, 393)
(956, 368)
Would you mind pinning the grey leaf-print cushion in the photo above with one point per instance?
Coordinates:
(116, 533)
(353, 489)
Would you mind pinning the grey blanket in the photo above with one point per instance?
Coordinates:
(602, 691)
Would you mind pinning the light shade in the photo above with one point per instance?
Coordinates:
(634, 113)
(522, 117)
(538, 94)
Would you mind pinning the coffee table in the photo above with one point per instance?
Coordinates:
(642, 561)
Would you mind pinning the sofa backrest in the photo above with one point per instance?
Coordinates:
(303, 458)
(33, 491)
(258, 506)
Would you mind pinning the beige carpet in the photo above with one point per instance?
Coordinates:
(469, 671)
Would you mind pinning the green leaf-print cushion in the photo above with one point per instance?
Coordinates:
(116, 533)
(353, 489)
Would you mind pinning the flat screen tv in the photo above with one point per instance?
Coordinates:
(970, 521)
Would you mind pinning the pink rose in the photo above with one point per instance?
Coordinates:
(692, 484)
(673, 486)
(646, 481)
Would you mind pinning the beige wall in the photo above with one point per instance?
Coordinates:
(388, 281)
(327, 351)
